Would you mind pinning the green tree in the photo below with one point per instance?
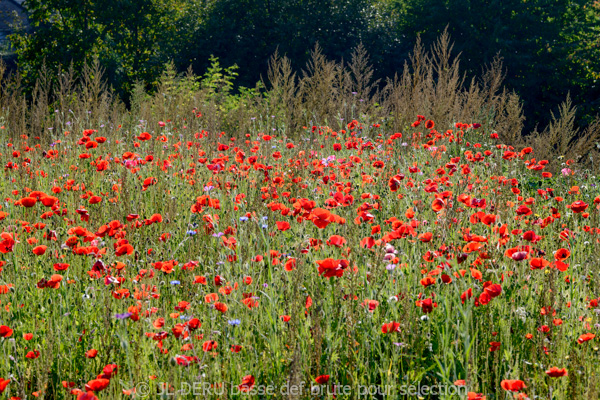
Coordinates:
(64, 32)
(583, 39)
(248, 32)
(133, 39)
(539, 41)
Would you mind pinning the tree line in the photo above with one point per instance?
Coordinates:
(549, 48)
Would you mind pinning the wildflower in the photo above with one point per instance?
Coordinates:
(283, 225)
(91, 353)
(3, 384)
(390, 327)
(554, 372)
(583, 338)
(247, 383)
(512, 385)
(566, 171)
(5, 331)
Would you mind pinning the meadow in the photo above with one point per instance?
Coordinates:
(309, 241)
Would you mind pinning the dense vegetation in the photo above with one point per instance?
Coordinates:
(167, 234)
(549, 48)
(204, 242)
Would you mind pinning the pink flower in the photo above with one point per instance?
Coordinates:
(131, 163)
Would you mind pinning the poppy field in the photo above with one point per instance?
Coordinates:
(155, 259)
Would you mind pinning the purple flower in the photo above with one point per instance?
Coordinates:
(123, 316)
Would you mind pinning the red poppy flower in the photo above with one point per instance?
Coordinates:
(96, 385)
(209, 345)
(330, 267)
(370, 304)
(437, 205)
(283, 225)
(7, 243)
(578, 206)
(61, 266)
(390, 327)
(5, 331)
(562, 254)
(182, 306)
(211, 297)
(290, 264)
(49, 201)
(473, 395)
(321, 217)
(336, 240)
(518, 253)
(247, 383)
(512, 385)
(323, 379)
(523, 210)
(155, 218)
(583, 338)
(494, 346)
(394, 182)
(144, 136)
(538, 263)
(367, 242)
(427, 306)
(39, 250)
(91, 353)
(530, 236)
(425, 237)
(428, 281)
(108, 371)
(125, 249)
(250, 302)
(54, 282)
(484, 298)
(95, 200)
(493, 290)
(28, 201)
(32, 354)
(554, 372)
(3, 384)
(561, 266)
